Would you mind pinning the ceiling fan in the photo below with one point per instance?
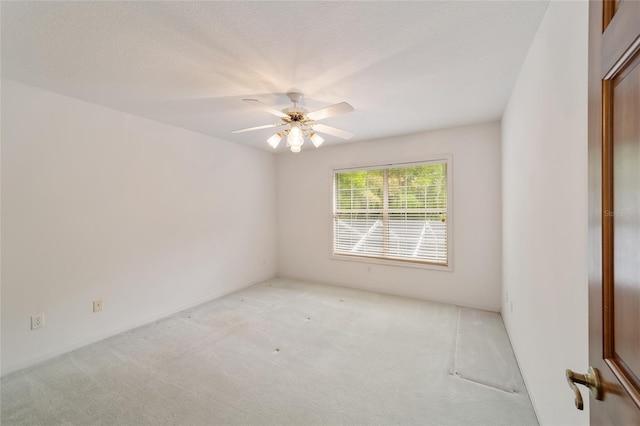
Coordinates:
(298, 123)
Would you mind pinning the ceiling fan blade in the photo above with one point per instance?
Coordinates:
(330, 111)
(332, 131)
(266, 126)
(267, 108)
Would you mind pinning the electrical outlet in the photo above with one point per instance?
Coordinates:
(97, 305)
(37, 321)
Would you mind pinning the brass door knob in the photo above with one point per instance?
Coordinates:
(590, 380)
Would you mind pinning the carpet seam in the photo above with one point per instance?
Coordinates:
(485, 384)
(452, 369)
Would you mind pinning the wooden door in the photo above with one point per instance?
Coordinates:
(614, 208)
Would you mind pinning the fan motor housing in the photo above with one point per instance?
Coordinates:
(296, 113)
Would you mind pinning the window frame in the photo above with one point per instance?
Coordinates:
(441, 158)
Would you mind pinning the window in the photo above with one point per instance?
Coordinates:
(398, 212)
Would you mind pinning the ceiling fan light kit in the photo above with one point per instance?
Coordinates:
(316, 139)
(274, 140)
(300, 123)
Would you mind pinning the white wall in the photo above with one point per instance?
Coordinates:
(544, 176)
(97, 203)
(305, 221)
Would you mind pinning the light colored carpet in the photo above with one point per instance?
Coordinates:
(285, 352)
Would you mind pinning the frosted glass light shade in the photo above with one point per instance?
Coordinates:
(295, 137)
(316, 139)
(295, 148)
(274, 140)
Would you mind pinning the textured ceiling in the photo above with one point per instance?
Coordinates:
(404, 66)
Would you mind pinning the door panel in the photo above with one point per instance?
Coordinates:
(614, 208)
(626, 220)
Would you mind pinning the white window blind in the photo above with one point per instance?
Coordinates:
(396, 212)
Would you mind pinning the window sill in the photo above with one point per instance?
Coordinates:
(392, 262)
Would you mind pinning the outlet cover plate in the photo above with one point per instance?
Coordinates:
(37, 321)
(97, 305)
